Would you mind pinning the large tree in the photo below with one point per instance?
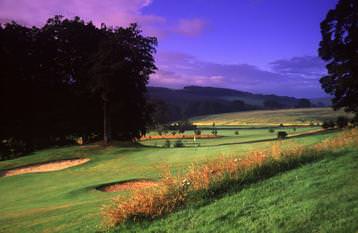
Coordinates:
(56, 80)
(120, 73)
(339, 48)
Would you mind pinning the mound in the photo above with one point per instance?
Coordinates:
(127, 185)
(45, 167)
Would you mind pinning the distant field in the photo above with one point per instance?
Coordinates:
(228, 136)
(297, 117)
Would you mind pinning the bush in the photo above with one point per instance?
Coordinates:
(197, 132)
(271, 130)
(214, 132)
(342, 122)
(174, 132)
(328, 124)
(294, 129)
(236, 132)
(179, 143)
(160, 132)
(281, 125)
(281, 135)
(166, 143)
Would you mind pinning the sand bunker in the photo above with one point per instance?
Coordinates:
(127, 185)
(45, 167)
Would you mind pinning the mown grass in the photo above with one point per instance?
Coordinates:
(228, 136)
(271, 117)
(67, 201)
(317, 197)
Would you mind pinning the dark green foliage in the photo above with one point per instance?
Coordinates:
(294, 129)
(342, 122)
(271, 130)
(59, 81)
(272, 104)
(214, 132)
(303, 103)
(197, 132)
(178, 143)
(328, 124)
(338, 47)
(166, 143)
(281, 135)
(236, 132)
(174, 132)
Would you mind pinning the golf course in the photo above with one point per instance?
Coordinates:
(319, 195)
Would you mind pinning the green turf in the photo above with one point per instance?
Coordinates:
(228, 136)
(67, 201)
(318, 197)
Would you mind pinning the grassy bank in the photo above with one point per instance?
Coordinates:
(219, 176)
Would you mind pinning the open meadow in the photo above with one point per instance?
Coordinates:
(71, 200)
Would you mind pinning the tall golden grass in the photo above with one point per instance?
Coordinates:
(174, 191)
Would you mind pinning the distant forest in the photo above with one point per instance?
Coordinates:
(178, 104)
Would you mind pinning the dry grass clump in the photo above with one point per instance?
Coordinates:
(173, 192)
(345, 138)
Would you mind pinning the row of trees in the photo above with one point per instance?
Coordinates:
(70, 77)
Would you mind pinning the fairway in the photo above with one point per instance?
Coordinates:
(288, 117)
(68, 201)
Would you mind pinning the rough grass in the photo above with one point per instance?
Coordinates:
(317, 197)
(218, 176)
(271, 117)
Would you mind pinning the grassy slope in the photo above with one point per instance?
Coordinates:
(271, 117)
(66, 201)
(319, 197)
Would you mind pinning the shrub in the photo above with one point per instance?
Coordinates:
(178, 143)
(214, 132)
(294, 129)
(281, 125)
(342, 122)
(174, 132)
(197, 132)
(271, 130)
(281, 134)
(166, 143)
(160, 132)
(236, 132)
(328, 124)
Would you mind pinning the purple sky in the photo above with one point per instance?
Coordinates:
(262, 46)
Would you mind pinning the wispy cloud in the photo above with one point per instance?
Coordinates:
(308, 66)
(178, 69)
(191, 27)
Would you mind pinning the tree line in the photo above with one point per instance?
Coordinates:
(70, 78)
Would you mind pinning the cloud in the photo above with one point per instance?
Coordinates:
(177, 70)
(191, 27)
(309, 66)
(110, 12)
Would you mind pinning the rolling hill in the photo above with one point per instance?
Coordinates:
(194, 101)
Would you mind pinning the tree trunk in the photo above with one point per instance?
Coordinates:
(106, 122)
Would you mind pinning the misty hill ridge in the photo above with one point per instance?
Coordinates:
(195, 100)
